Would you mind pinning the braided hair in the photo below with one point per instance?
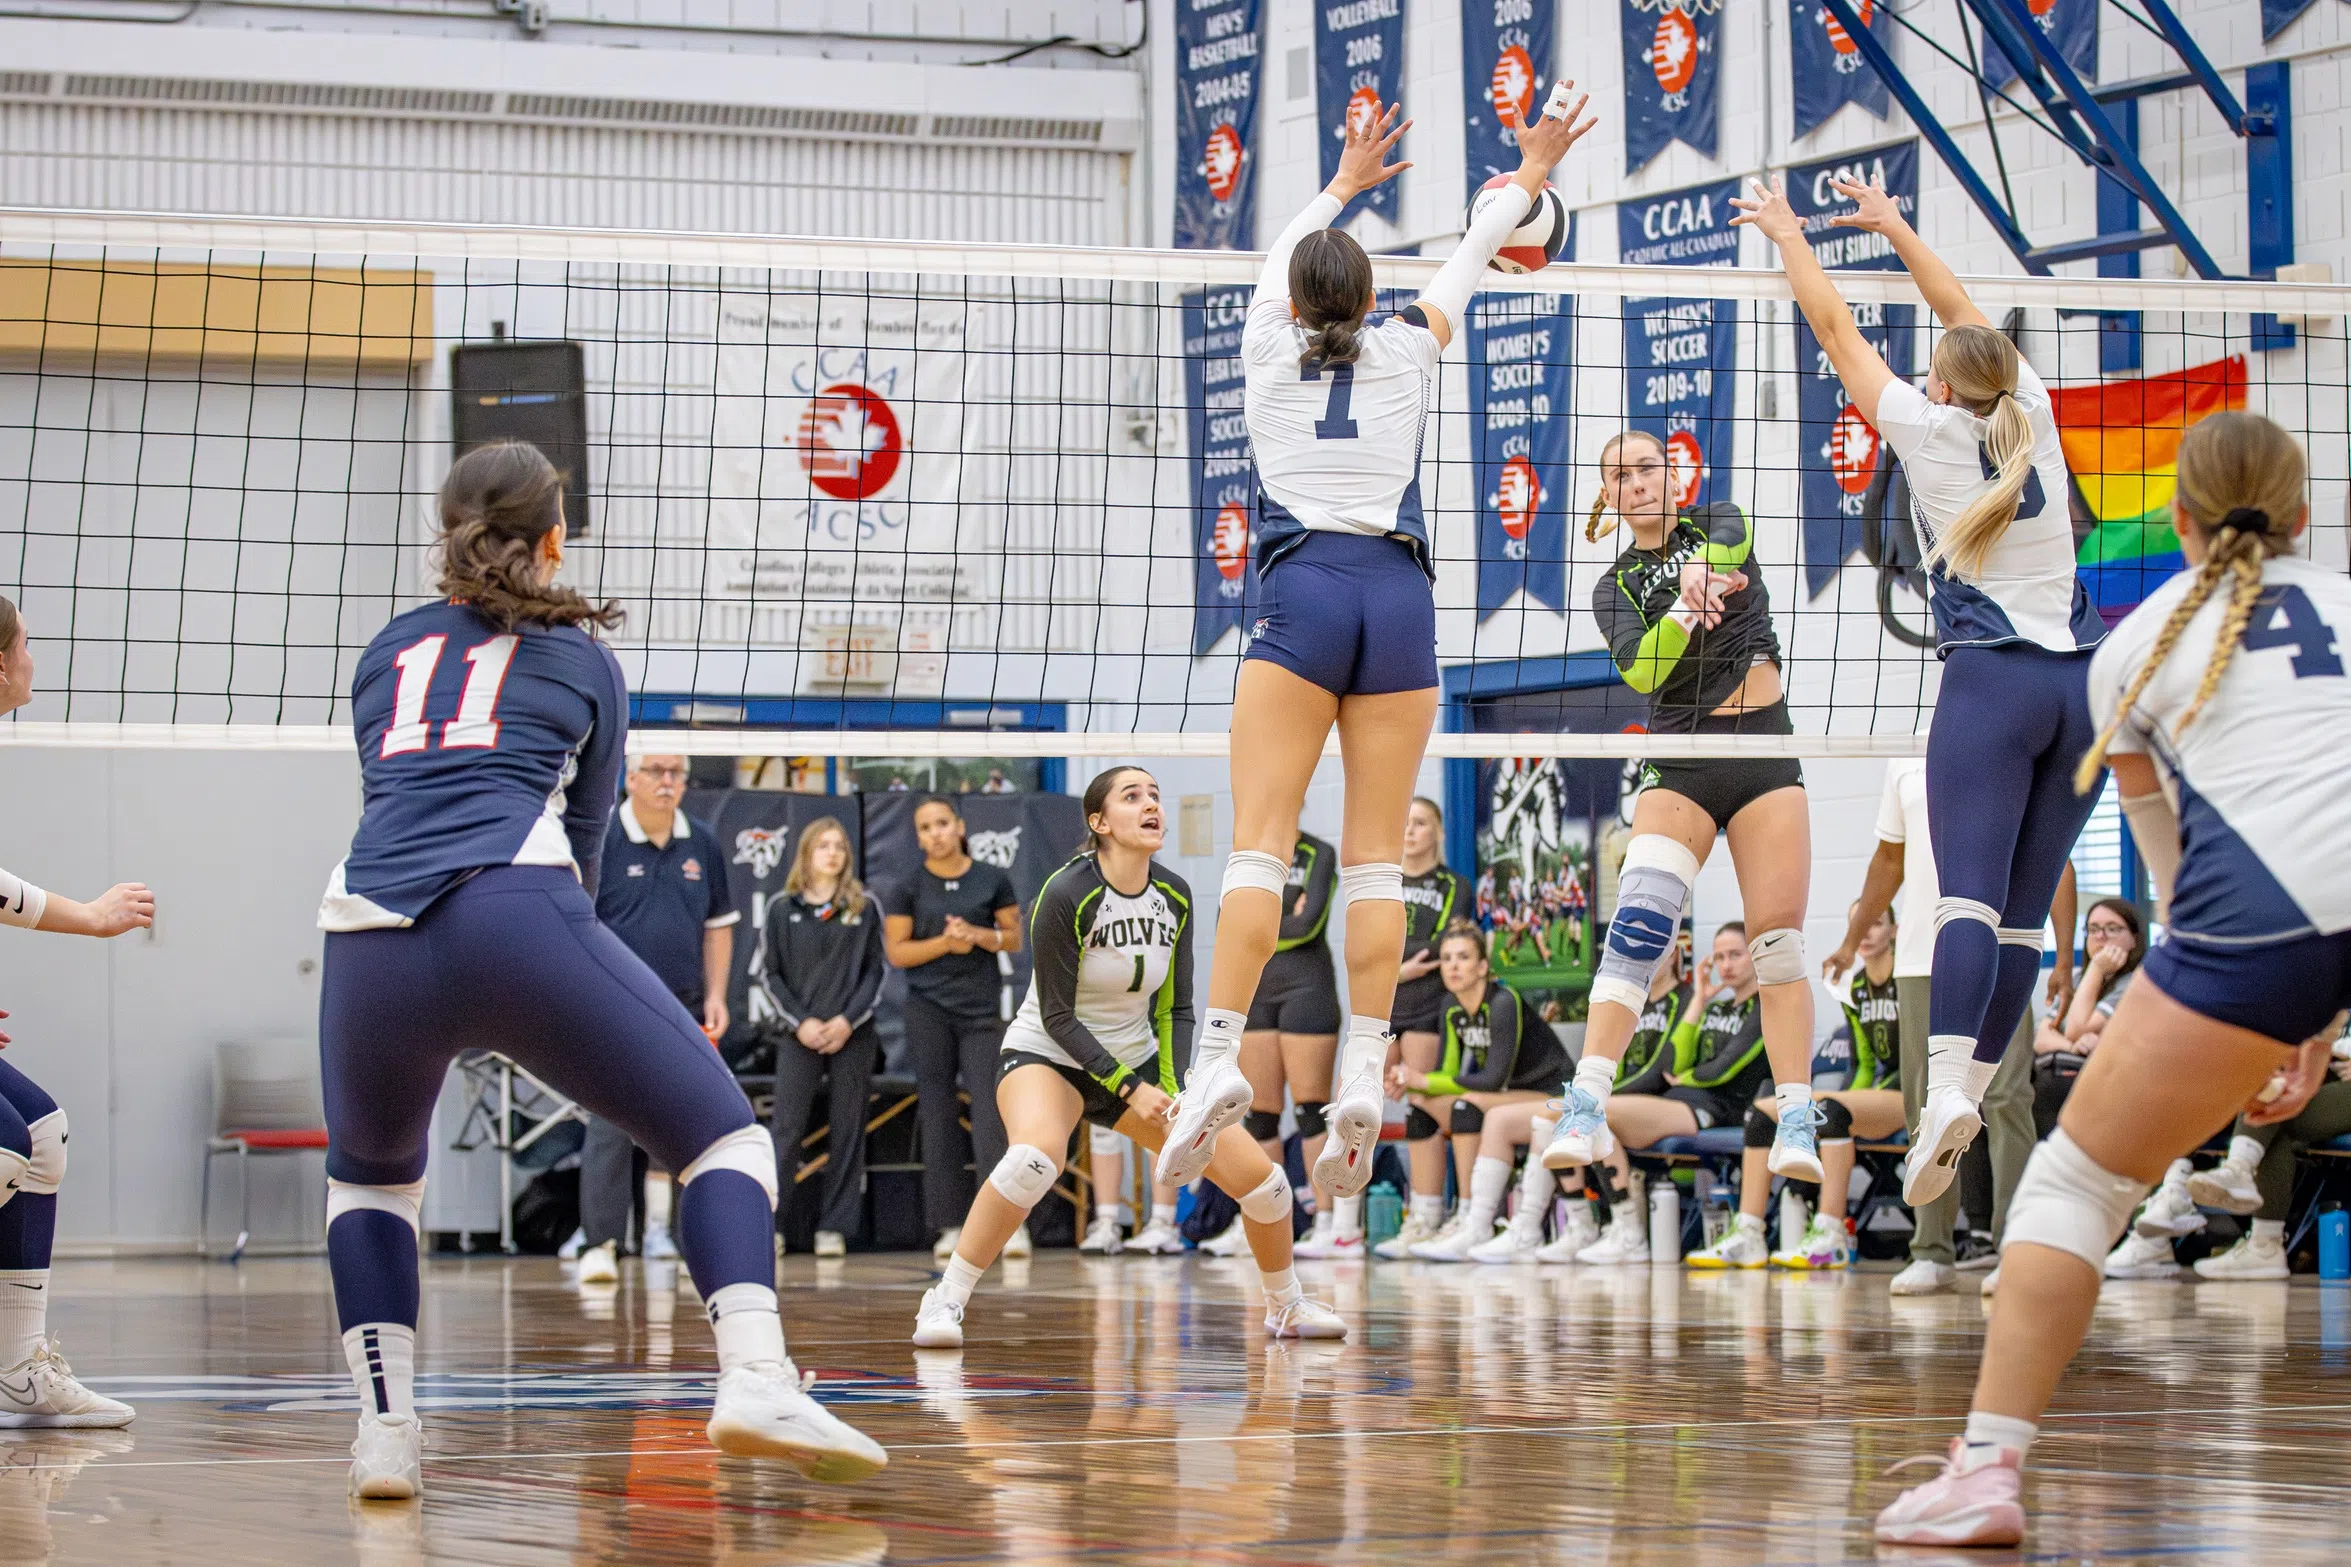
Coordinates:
(1593, 532)
(498, 502)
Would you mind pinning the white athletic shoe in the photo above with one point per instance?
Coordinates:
(1020, 1246)
(1414, 1230)
(938, 1321)
(40, 1391)
(385, 1459)
(764, 1411)
(1624, 1244)
(2227, 1187)
(600, 1264)
(1102, 1238)
(1355, 1116)
(1580, 1231)
(1946, 1125)
(1517, 1241)
(1233, 1241)
(2141, 1257)
(1825, 1245)
(2253, 1257)
(944, 1246)
(1452, 1243)
(1737, 1247)
(1158, 1239)
(1582, 1134)
(659, 1247)
(1304, 1317)
(2169, 1213)
(570, 1250)
(1991, 1284)
(831, 1243)
(1216, 1097)
(1923, 1277)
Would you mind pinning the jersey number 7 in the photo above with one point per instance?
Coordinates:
(2285, 617)
(476, 724)
(1334, 425)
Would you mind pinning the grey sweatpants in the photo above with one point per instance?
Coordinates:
(2008, 1120)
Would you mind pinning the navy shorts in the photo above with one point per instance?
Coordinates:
(2287, 990)
(1351, 612)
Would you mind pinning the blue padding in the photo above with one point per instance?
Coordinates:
(1714, 1143)
(2343, 1142)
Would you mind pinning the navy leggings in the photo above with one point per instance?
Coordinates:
(2010, 726)
(514, 960)
(28, 1221)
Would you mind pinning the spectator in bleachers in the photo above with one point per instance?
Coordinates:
(946, 927)
(2257, 1177)
(821, 968)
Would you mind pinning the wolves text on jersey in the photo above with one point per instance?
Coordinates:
(1129, 932)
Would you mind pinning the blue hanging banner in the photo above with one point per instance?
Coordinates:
(1827, 65)
(1506, 59)
(1358, 65)
(1838, 453)
(1681, 355)
(1224, 484)
(1219, 52)
(2275, 14)
(2072, 24)
(1520, 350)
(1672, 67)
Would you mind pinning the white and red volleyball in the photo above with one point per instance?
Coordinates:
(1534, 244)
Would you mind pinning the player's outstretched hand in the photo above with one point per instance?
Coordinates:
(1766, 207)
(1367, 139)
(126, 906)
(1542, 144)
(1873, 208)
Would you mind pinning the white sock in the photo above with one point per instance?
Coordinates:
(744, 1322)
(1163, 1213)
(1750, 1224)
(1595, 1075)
(1347, 1218)
(1536, 1184)
(2272, 1231)
(2175, 1178)
(1996, 1431)
(1220, 1037)
(658, 1192)
(24, 1313)
(1793, 1098)
(1106, 1207)
(383, 1367)
(962, 1278)
(1488, 1180)
(1281, 1285)
(1948, 1056)
(2246, 1153)
(1429, 1210)
(1366, 1051)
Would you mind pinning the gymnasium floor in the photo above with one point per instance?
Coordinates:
(1129, 1411)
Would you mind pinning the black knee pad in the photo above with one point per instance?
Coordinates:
(1600, 1180)
(1836, 1122)
(1264, 1125)
(1761, 1128)
(1313, 1118)
(1468, 1119)
(1419, 1124)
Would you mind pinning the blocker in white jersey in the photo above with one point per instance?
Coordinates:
(1112, 993)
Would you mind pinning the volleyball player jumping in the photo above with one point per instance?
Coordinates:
(2014, 628)
(1346, 631)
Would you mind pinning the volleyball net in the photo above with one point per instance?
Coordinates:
(906, 499)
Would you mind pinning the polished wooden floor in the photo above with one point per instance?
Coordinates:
(1129, 1411)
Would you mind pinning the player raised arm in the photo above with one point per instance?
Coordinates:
(1857, 363)
(1540, 147)
(1364, 163)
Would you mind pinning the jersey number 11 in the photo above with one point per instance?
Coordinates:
(476, 725)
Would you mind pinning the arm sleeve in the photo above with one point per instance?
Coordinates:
(21, 903)
(1057, 951)
(1733, 1058)
(1645, 655)
(775, 978)
(1274, 281)
(1444, 1080)
(1684, 1037)
(588, 807)
(1730, 536)
(1458, 278)
(871, 966)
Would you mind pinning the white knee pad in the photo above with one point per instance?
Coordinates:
(1778, 956)
(1949, 909)
(1105, 1142)
(2018, 936)
(405, 1203)
(1248, 868)
(45, 1171)
(1024, 1175)
(1651, 891)
(1271, 1202)
(749, 1150)
(1371, 884)
(2069, 1202)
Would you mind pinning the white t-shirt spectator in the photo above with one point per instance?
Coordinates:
(1902, 819)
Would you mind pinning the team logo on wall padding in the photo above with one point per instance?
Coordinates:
(761, 848)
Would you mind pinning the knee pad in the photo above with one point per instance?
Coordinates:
(1950, 909)
(1836, 1122)
(45, 1170)
(2018, 936)
(1419, 1124)
(405, 1203)
(1760, 1128)
(1105, 1142)
(1468, 1119)
(1024, 1175)
(1313, 1118)
(1371, 884)
(1264, 1125)
(1778, 956)
(2069, 1202)
(1248, 868)
(1271, 1202)
(749, 1150)
(1651, 892)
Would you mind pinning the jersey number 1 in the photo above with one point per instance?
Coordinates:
(1334, 425)
(2285, 617)
(476, 725)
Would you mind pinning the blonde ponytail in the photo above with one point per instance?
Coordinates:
(1979, 366)
(1593, 532)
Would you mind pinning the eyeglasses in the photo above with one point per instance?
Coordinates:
(2099, 928)
(663, 774)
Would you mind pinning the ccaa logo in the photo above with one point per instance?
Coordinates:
(1688, 465)
(1518, 495)
(1363, 105)
(1514, 81)
(849, 442)
(1222, 163)
(1839, 39)
(999, 849)
(1853, 451)
(1673, 50)
(761, 848)
(1231, 542)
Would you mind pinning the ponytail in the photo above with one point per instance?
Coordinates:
(497, 504)
(1979, 365)
(1330, 278)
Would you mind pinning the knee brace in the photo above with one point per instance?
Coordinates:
(1778, 956)
(2018, 936)
(1371, 884)
(1950, 909)
(405, 1203)
(1264, 1125)
(1468, 1119)
(1105, 1142)
(748, 1150)
(1836, 1122)
(2069, 1202)
(1313, 1118)
(1651, 892)
(1024, 1175)
(1271, 1202)
(1419, 1124)
(45, 1170)
(1760, 1128)
(1248, 868)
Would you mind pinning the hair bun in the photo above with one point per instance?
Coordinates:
(2247, 519)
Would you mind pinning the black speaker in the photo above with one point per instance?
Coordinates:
(535, 392)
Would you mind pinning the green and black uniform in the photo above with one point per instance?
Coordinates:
(1431, 902)
(1299, 992)
(1666, 1033)
(1688, 670)
(1874, 1019)
(1723, 1067)
(1499, 1047)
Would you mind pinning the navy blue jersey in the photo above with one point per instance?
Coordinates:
(476, 748)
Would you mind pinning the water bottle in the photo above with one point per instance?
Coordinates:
(2334, 1244)
(1794, 1217)
(1383, 1214)
(1665, 1222)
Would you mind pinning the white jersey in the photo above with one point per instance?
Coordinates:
(1108, 965)
(2265, 820)
(2028, 591)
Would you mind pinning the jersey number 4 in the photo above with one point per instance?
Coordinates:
(2285, 617)
(1334, 425)
(476, 724)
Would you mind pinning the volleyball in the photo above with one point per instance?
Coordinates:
(1534, 244)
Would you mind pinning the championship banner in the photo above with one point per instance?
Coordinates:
(1680, 355)
(1838, 451)
(1827, 66)
(1506, 59)
(2072, 24)
(1358, 65)
(1520, 348)
(1224, 486)
(1672, 67)
(1219, 50)
(2275, 14)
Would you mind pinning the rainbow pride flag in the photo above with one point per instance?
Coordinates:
(2122, 441)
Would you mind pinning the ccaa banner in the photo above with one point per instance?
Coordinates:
(2275, 14)
(1358, 65)
(1224, 485)
(1505, 60)
(2070, 24)
(1672, 67)
(1838, 451)
(1218, 59)
(1827, 65)
(1520, 348)
(1681, 355)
